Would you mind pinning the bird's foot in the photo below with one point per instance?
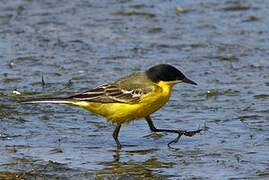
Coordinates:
(185, 133)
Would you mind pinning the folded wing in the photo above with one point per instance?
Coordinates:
(111, 93)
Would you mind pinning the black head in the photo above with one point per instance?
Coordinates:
(166, 72)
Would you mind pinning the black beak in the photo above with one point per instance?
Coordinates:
(186, 80)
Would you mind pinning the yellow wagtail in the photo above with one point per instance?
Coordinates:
(132, 97)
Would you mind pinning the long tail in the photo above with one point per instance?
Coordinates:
(48, 100)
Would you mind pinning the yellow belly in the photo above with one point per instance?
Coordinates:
(122, 112)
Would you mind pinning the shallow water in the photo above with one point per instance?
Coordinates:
(77, 45)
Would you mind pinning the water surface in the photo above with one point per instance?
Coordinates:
(77, 45)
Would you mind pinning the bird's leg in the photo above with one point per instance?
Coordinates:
(115, 135)
(179, 132)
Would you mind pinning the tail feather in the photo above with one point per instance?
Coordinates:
(47, 100)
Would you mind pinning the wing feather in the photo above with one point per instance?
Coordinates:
(112, 93)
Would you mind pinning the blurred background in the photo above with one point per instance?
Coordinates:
(61, 47)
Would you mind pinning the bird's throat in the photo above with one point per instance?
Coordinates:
(166, 87)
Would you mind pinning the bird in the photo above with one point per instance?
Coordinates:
(129, 98)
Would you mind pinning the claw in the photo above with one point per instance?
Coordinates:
(185, 133)
(175, 140)
(192, 133)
